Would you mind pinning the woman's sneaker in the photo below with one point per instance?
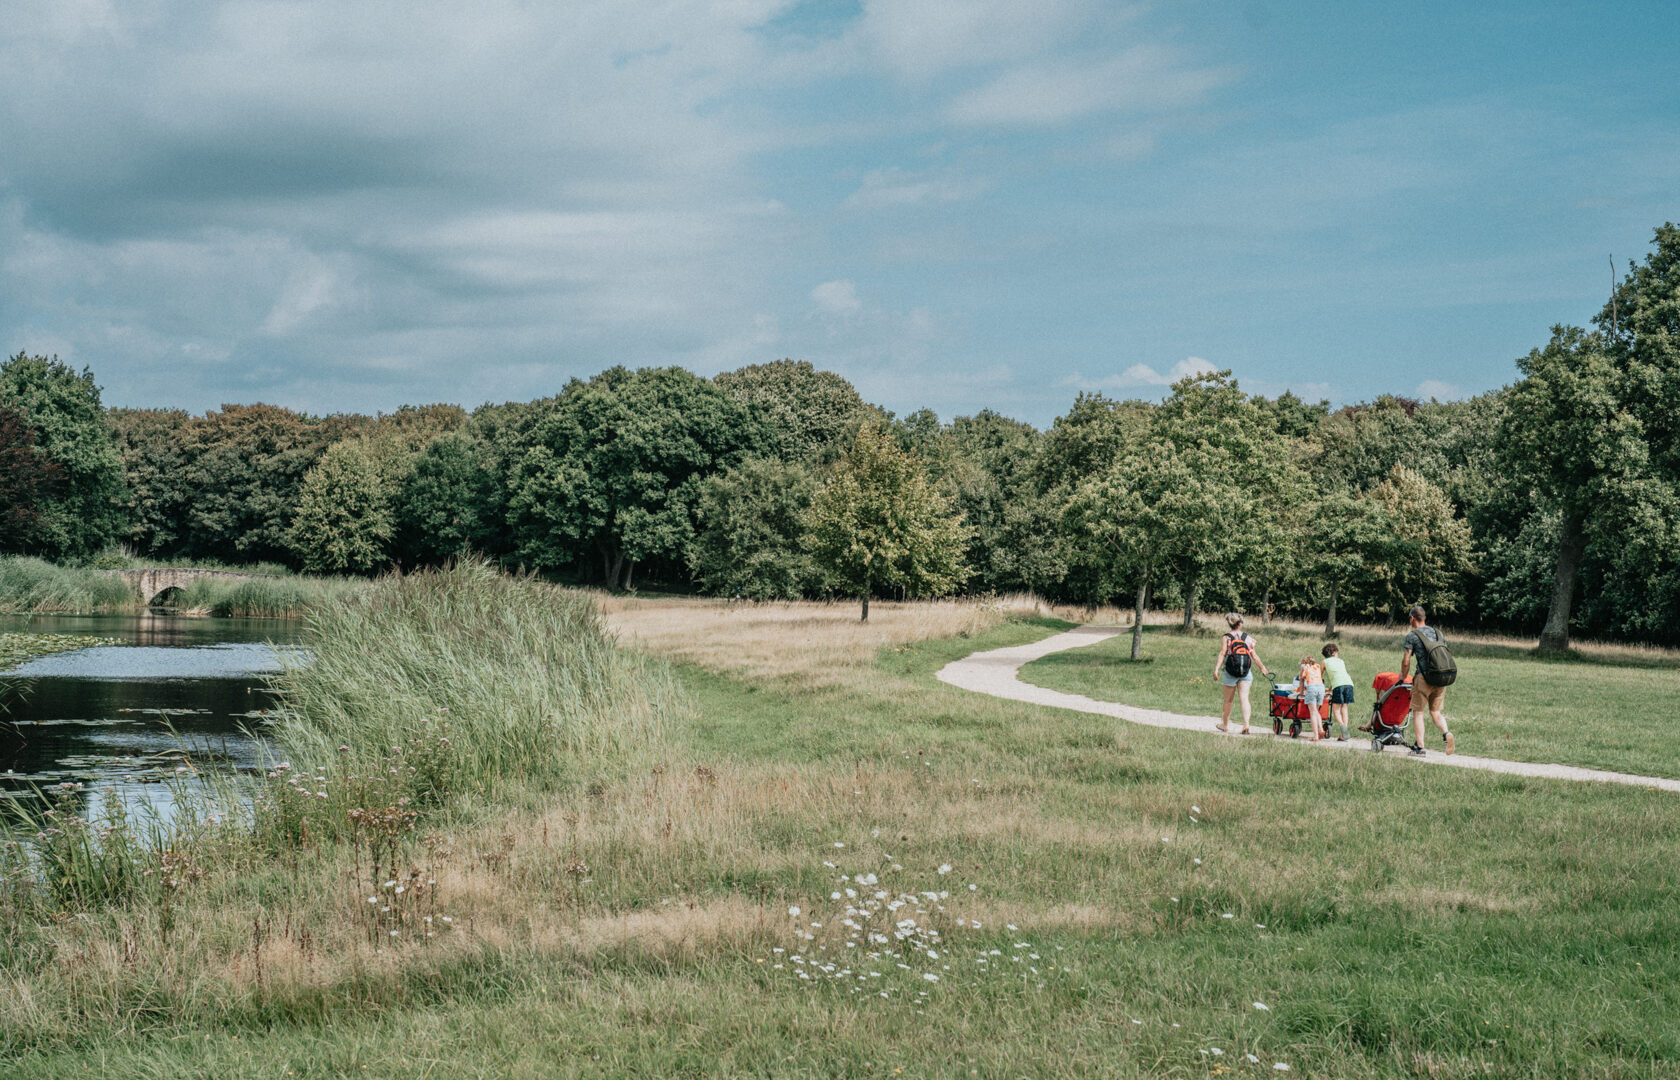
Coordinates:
(1417, 751)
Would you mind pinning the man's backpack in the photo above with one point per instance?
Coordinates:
(1239, 656)
(1443, 669)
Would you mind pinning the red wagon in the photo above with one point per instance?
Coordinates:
(1287, 706)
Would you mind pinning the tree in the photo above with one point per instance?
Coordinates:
(1347, 534)
(878, 524)
(751, 528)
(27, 479)
(1431, 549)
(612, 468)
(445, 505)
(155, 447)
(1156, 507)
(808, 415)
(1568, 437)
(83, 510)
(344, 520)
(246, 466)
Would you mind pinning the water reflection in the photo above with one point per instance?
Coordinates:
(122, 716)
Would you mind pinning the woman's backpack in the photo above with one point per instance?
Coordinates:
(1239, 656)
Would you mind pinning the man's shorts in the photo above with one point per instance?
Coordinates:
(1226, 679)
(1341, 695)
(1425, 696)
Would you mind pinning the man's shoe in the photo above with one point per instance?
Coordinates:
(1449, 741)
(1417, 751)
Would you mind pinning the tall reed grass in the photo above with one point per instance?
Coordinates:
(265, 597)
(30, 586)
(502, 683)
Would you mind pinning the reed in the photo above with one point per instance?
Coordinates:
(31, 586)
(503, 683)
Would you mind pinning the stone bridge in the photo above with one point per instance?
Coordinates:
(160, 586)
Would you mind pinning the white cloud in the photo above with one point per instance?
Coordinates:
(837, 297)
(1436, 390)
(919, 39)
(1144, 78)
(886, 188)
(1140, 375)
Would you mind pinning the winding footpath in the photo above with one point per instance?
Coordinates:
(997, 672)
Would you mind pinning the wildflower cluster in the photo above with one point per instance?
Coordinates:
(890, 941)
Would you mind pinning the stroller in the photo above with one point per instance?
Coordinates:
(1288, 706)
(1388, 714)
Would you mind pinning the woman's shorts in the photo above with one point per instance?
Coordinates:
(1341, 695)
(1226, 679)
(1312, 695)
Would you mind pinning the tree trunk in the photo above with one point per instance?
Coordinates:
(1571, 546)
(1266, 604)
(629, 573)
(865, 601)
(1189, 605)
(615, 569)
(1330, 619)
(1137, 618)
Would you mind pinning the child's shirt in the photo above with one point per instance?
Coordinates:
(1312, 674)
(1336, 672)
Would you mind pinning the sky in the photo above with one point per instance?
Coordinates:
(956, 204)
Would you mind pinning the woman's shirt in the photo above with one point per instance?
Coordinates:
(1336, 672)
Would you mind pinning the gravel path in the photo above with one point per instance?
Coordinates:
(997, 672)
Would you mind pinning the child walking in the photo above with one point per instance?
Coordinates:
(1341, 687)
(1311, 681)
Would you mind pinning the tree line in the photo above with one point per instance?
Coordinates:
(1552, 504)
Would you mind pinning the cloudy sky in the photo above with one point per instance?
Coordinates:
(955, 203)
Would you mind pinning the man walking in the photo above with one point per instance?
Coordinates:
(1425, 695)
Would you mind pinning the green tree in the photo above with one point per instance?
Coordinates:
(879, 524)
(1430, 550)
(27, 479)
(246, 466)
(82, 512)
(344, 521)
(155, 447)
(807, 415)
(1156, 507)
(612, 468)
(751, 528)
(1569, 438)
(445, 506)
(1348, 534)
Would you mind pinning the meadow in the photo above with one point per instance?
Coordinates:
(1601, 707)
(729, 895)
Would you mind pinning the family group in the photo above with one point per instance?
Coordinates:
(1325, 678)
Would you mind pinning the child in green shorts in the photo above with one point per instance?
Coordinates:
(1341, 688)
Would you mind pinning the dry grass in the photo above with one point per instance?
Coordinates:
(806, 641)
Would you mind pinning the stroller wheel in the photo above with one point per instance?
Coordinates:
(1376, 743)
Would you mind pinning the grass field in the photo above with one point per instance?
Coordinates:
(30, 586)
(1606, 708)
(1330, 913)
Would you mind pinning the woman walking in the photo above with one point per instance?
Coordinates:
(1235, 667)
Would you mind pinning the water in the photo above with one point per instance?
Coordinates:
(119, 718)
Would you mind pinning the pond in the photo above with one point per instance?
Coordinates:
(118, 717)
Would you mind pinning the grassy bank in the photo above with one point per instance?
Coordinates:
(1391, 920)
(30, 586)
(1604, 709)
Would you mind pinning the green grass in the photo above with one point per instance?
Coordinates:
(17, 648)
(1507, 703)
(1418, 922)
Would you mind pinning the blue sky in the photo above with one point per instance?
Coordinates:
(955, 205)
